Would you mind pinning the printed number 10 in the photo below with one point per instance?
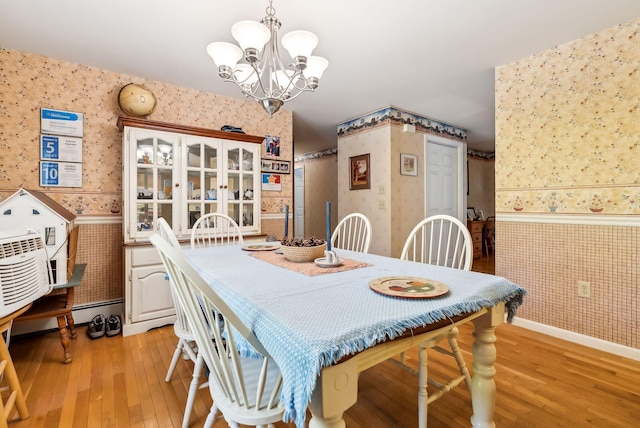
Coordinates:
(50, 173)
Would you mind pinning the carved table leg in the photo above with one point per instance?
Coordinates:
(483, 387)
(64, 337)
(336, 390)
(73, 333)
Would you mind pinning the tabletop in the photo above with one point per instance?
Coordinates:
(310, 322)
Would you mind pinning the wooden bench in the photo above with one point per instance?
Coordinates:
(59, 305)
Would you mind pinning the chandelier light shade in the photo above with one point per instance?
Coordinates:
(256, 67)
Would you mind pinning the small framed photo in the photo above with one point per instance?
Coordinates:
(272, 146)
(360, 172)
(282, 167)
(408, 164)
(471, 213)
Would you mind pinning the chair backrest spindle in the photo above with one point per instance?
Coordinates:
(215, 229)
(353, 233)
(440, 240)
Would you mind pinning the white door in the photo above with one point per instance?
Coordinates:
(444, 177)
(298, 201)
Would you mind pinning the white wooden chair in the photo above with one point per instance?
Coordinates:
(352, 233)
(186, 340)
(444, 241)
(245, 390)
(215, 229)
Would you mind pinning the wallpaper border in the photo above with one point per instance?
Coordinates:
(586, 219)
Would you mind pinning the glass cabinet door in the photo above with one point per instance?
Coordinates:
(242, 183)
(154, 176)
(221, 176)
(203, 188)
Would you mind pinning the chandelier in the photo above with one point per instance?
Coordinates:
(263, 76)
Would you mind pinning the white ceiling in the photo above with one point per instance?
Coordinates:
(435, 58)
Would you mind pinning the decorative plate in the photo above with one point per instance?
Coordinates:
(322, 262)
(408, 286)
(267, 246)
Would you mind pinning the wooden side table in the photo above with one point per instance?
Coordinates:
(58, 305)
(475, 228)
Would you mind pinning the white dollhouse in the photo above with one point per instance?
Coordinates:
(33, 210)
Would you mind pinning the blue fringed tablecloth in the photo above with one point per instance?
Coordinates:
(310, 322)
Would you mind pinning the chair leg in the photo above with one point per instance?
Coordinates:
(211, 417)
(174, 360)
(455, 349)
(12, 380)
(423, 395)
(195, 384)
(64, 337)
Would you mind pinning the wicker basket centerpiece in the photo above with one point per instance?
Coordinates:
(303, 250)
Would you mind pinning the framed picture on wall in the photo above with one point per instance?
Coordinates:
(271, 182)
(408, 164)
(359, 172)
(272, 146)
(282, 167)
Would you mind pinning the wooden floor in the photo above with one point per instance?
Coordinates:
(485, 264)
(119, 382)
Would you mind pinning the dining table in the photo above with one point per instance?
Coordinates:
(324, 324)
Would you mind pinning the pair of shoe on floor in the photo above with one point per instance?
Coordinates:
(99, 326)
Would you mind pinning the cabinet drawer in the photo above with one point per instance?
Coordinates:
(477, 248)
(476, 237)
(476, 227)
(145, 256)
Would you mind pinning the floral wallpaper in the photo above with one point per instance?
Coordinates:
(568, 141)
(30, 82)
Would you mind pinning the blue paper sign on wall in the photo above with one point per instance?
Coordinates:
(60, 122)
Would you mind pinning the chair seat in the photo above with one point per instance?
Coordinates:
(48, 306)
(251, 368)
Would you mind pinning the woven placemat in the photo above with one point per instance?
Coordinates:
(309, 268)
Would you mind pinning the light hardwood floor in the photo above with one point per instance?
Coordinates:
(119, 382)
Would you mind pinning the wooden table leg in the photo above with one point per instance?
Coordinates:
(73, 333)
(483, 387)
(336, 390)
(64, 337)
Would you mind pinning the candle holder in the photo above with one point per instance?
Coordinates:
(330, 257)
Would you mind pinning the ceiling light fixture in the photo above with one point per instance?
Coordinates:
(264, 76)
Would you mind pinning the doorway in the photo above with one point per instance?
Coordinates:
(444, 177)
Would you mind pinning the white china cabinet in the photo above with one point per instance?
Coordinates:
(179, 173)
